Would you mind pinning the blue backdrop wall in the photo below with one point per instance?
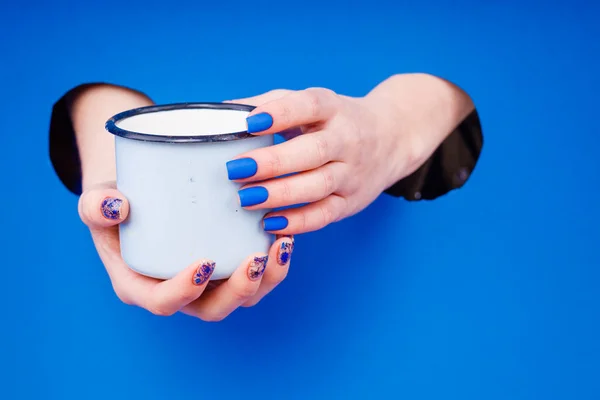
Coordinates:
(488, 293)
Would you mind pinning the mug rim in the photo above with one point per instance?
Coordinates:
(111, 124)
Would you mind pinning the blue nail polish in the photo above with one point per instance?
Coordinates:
(259, 122)
(257, 267)
(241, 168)
(285, 252)
(203, 272)
(111, 208)
(253, 196)
(275, 223)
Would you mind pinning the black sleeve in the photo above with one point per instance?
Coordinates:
(64, 154)
(448, 168)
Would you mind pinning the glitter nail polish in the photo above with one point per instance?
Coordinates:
(285, 252)
(203, 272)
(257, 267)
(111, 208)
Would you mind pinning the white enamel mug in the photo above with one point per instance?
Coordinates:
(171, 167)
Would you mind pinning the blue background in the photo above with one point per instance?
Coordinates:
(490, 292)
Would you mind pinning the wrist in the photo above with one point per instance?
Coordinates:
(89, 110)
(415, 114)
(386, 128)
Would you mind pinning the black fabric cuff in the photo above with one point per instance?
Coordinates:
(448, 168)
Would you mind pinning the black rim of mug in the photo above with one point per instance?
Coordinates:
(111, 124)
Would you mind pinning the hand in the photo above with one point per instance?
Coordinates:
(102, 208)
(349, 149)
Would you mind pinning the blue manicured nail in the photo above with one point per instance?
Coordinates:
(275, 223)
(253, 196)
(111, 208)
(241, 168)
(259, 122)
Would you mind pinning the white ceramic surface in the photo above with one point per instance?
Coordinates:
(171, 167)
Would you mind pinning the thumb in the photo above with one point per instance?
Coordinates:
(103, 207)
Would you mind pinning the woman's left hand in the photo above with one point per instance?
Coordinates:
(345, 151)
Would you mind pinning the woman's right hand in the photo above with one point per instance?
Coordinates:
(102, 207)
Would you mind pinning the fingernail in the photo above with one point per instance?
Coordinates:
(259, 122)
(275, 223)
(203, 272)
(111, 208)
(278, 236)
(253, 196)
(241, 168)
(257, 267)
(284, 253)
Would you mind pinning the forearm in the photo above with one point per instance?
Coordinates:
(437, 109)
(444, 103)
(90, 110)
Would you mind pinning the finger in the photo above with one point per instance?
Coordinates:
(307, 218)
(224, 299)
(157, 296)
(306, 187)
(167, 297)
(103, 207)
(301, 153)
(262, 98)
(292, 110)
(277, 269)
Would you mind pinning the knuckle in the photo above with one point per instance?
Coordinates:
(122, 295)
(212, 316)
(321, 97)
(275, 164)
(320, 92)
(302, 222)
(159, 308)
(321, 149)
(161, 312)
(314, 101)
(327, 214)
(329, 184)
(284, 112)
(285, 191)
(325, 92)
(250, 303)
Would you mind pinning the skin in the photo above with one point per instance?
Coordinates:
(350, 150)
(211, 301)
